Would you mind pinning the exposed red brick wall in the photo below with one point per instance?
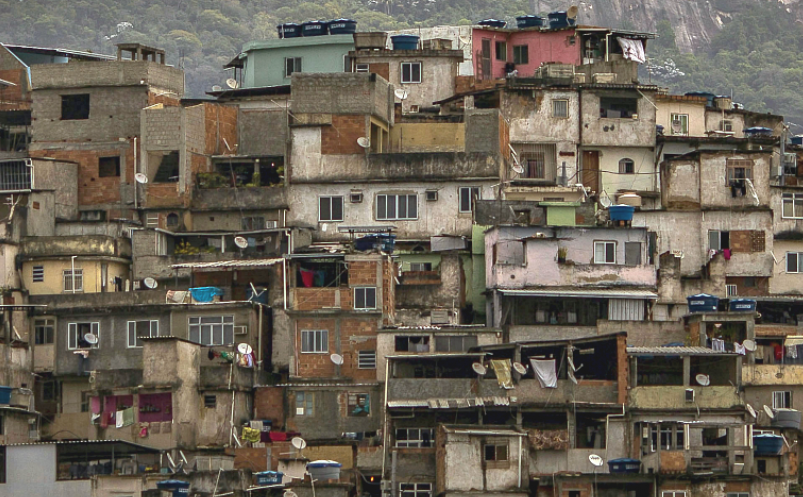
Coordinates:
(315, 365)
(220, 123)
(747, 241)
(362, 273)
(341, 136)
(163, 195)
(269, 404)
(254, 460)
(359, 328)
(167, 101)
(623, 369)
(382, 69)
(759, 286)
(14, 97)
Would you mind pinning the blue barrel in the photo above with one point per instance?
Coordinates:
(742, 305)
(289, 30)
(558, 19)
(493, 23)
(314, 28)
(767, 444)
(5, 395)
(621, 212)
(758, 131)
(702, 302)
(797, 140)
(530, 22)
(342, 27)
(624, 465)
(178, 487)
(269, 477)
(404, 42)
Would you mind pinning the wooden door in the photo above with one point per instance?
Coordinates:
(590, 170)
(486, 59)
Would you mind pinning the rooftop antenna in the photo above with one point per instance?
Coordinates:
(752, 411)
(520, 368)
(768, 412)
(217, 88)
(299, 443)
(516, 166)
(749, 345)
(401, 93)
(595, 460)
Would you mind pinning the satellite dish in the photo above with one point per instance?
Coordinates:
(91, 338)
(604, 200)
(289, 493)
(572, 12)
(298, 442)
(676, 126)
(241, 242)
(516, 166)
(749, 345)
(141, 178)
(150, 283)
(519, 367)
(752, 411)
(400, 93)
(769, 412)
(703, 379)
(363, 142)
(244, 349)
(336, 358)
(595, 460)
(232, 83)
(479, 368)
(217, 88)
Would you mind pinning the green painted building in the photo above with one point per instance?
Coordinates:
(271, 62)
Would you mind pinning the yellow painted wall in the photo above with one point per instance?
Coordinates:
(54, 275)
(668, 397)
(695, 111)
(644, 178)
(428, 137)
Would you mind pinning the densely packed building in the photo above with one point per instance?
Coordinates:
(469, 260)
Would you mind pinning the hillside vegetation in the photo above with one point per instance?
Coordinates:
(757, 55)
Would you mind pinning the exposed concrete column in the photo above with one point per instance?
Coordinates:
(686, 370)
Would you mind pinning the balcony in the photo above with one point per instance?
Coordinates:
(772, 374)
(418, 278)
(87, 245)
(674, 397)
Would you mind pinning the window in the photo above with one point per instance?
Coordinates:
(172, 220)
(618, 108)
(792, 206)
(15, 175)
(560, 108)
(718, 240)
(361, 68)
(77, 335)
(732, 290)
(680, 124)
(604, 252)
(305, 403)
(415, 489)
(495, 451)
(521, 54)
(455, 343)
(212, 330)
(330, 209)
(794, 262)
(85, 401)
(291, 65)
(74, 281)
(467, 196)
(74, 107)
(141, 329)
(366, 359)
(667, 437)
(420, 266)
(501, 50)
(365, 298)
(355, 197)
(627, 166)
(410, 72)
(314, 341)
(109, 166)
(168, 170)
(38, 274)
(738, 170)
(412, 344)
(632, 253)
(359, 404)
(396, 207)
(210, 401)
(737, 494)
(782, 400)
(2, 456)
(673, 493)
(726, 125)
(432, 195)
(43, 331)
(253, 223)
(415, 437)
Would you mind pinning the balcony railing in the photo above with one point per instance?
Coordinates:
(420, 278)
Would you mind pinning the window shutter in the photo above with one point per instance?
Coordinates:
(791, 262)
(72, 336)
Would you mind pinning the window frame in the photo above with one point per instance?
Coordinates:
(137, 338)
(673, 493)
(38, 274)
(331, 200)
(521, 54)
(624, 163)
(787, 399)
(69, 102)
(791, 199)
(495, 446)
(304, 403)
(415, 489)
(207, 403)
(719, 239)
(726, 123)
(684, 119)
(565, 103)
(43, 324)
(397, 202)
(78, 281)
(503, 55)
(357, 397)
(366, 359)
(410, 80)
(732, 165)
(606, 243)
(297, 65)
(364, 298)
(226, 325)
(798, 258)
(362, 67)
(74, 342)
(320, 341)
(111, 161)
(414, 443)
(471, 191)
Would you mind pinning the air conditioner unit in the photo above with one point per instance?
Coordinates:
(241, 330)
(432, 195)
(355, 197)
(271, 224)
(689, 395)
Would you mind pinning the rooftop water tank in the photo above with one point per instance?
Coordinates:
(404, 42)
(314, 28)
(767, 444)
(342, 26)
(787, 418)
(624, 465)
(558, 19)
(492, 23)
(742, 305)
(797, 140)
(632, 199)
(373, 40)
(289, 30)
(5, 395)
(758, 131)
(530, 22)
(702, 302)
(621, 212)
(324, 470)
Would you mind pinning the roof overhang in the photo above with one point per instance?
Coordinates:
(605, 293)
(241, 264)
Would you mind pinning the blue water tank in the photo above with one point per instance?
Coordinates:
(493, 23)
(742, 305)
(530, 22)
(758, 131)
(702, 302)
(767, 444)
(404, 42)
(269, 477)
(707, 94)
(314, 28)
(624, 465)
(178, 487)
(289, 30)
(342, 27)
(797, 140)
(558, 19)
(621, 212)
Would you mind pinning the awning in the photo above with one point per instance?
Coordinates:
(603, 293)
(676, 351)
(241, 264)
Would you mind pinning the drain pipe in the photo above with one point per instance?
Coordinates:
(607, 429)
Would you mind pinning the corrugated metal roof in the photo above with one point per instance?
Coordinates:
(610, 293)
(455, 403)
(498, 431)
(436, 355)
(248, 263)
(3, 82)
(85, 442)
(675, 351)
(303, 385)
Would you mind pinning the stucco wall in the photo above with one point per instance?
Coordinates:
(31, 470)
(625, 132)
(54, 275)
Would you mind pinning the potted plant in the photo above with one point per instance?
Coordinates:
(562, 255)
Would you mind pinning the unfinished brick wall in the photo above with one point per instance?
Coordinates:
(362, 273)
(749, 286)
(269, 404)
(341, 136)
(220, 122)
(747, 241)
(163, 195)
(382, 69)
(315, 365)
(356, 335)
